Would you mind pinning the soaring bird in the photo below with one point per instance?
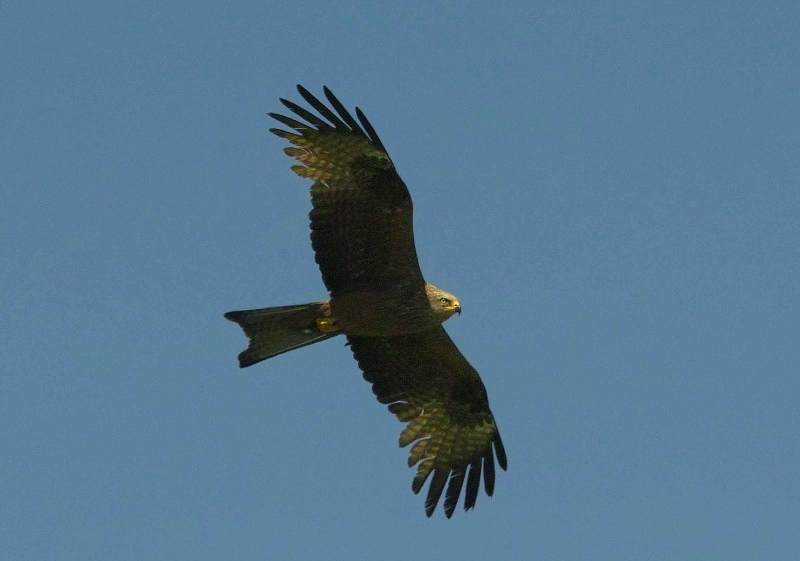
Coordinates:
(363, 239)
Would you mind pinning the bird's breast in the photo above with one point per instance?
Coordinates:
(380, 314)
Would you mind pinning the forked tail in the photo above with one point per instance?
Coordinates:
(272, 331)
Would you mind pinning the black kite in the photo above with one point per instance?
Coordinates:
(362, 235)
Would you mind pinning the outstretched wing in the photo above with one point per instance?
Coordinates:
(429, 384)
(361, 223)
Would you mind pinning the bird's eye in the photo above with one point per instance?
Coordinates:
(444, 300)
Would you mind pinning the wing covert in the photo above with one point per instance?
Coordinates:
(361, 221)
(427, 383)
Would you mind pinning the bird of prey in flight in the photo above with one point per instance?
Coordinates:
(363, 238)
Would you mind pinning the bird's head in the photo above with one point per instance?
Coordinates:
(443, 303)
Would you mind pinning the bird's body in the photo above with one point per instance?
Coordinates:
(364, 313)
(387, 314)
(362, 234)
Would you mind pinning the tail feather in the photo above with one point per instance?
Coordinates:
(273, 331)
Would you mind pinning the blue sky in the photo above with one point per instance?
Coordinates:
(610, 189)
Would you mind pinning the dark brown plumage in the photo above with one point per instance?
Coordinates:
(363, 239)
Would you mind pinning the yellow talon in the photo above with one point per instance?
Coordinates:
(327, 325)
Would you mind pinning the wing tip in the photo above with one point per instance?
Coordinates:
(338, 118)
(500, 451)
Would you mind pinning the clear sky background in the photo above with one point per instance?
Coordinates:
(610, 188)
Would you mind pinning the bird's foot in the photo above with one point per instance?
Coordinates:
(327, 325)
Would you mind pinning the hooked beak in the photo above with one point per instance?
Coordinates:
(457, 309)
